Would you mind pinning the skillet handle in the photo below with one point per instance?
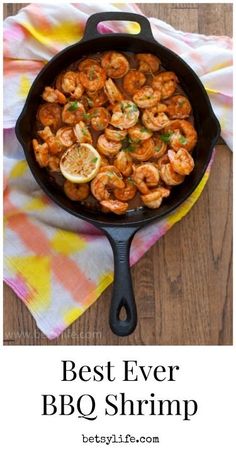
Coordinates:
(122, 293)
(91, 31)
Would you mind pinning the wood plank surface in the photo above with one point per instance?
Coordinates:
(183, 284)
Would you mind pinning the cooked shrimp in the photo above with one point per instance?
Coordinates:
(73, 112)
(113, 93)
(100, 118)
(70, 83)
(127, 193)
(139, 133)
(106, 147)
(96, 99)
(66, 136)
(181, 161)
(110, 168)
(143, 151)
(87, 63)
(54, 143)
(160, 147)
(82, 133)
(55, 146)
(115, 64)
(125, 115)
(41, 153)
(166, 83)
(54, 163)
(58, 81)
(123, 162)
(49, 114)
(148, 63)
(117, 207)
(146, 97)
(93, 77)
(154, 198)
(178, 106)
(133, 81)
(161, 161)
(169, 176)
(181, 134)
(161, 107)
(45, 133)
(154, 120)
(53, 96)
(104, 181)
(146, 176)
(104, 162)
(115, 135)
(76, 191)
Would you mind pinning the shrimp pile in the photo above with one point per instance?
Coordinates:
(136, 116)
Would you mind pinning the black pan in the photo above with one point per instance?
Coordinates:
(121, 229)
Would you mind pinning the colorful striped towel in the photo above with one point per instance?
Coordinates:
(57, 264)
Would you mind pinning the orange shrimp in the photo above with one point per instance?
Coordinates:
(82, 133)
(181, 134)
(104, 181)
(148, 63)
(153, 120)
(166, 83)
(154, 198)
(100, 118)
(66, 136)
(73, 112)
(106, 147)
(49, 114)
(133, 81)
(146, 97)
(123, 162)
(127, 193)
(115, 64)
(181, 161)
(169, 176)
(93, 77)
(117, 207)
(76, 191)
(52, 95)
(178, 106)
(41, 153)
(143, 151)
(146, 176)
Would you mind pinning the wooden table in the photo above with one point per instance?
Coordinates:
(183, 284)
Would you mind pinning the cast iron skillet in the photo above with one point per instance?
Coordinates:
(121, 229)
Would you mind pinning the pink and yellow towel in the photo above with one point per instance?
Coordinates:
(57, 264)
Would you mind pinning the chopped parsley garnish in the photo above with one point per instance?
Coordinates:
(90, 102)
(94, 113)
(128, 145)
(157, 148)
(183, 140)
(73, 106)
(110, 174)
(130, 148)
(130, 180)
(165, 137)
(86, 116)
(181, 103)
(91, 74)
(94, 160)
(134, 108)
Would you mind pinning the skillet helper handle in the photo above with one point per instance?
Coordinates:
(91, 31)
(122, 293)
